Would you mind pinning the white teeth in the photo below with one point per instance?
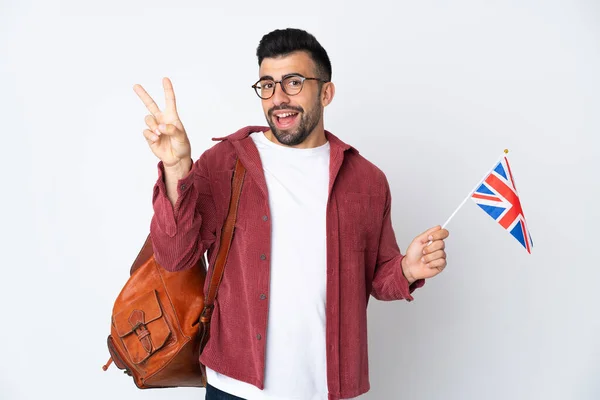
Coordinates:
(285, 115)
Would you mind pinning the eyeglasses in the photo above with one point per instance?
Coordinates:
(290, 84)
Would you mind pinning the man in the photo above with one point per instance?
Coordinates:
(313, 236)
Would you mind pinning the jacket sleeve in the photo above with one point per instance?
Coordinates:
(389, 282)
(182, 233)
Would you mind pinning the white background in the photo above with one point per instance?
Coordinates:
(430, 91)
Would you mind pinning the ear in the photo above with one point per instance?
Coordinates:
(327, 93)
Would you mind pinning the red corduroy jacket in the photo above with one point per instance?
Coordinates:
(363, 257)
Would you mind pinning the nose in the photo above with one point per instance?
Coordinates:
(279, 96)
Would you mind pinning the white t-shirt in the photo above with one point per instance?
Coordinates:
(296, 365)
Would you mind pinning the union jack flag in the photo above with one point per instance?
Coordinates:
(498, 197)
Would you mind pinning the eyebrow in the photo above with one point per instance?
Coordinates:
(269, 77)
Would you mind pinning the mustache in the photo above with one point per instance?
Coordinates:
(284, 107)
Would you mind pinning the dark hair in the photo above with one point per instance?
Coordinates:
(282, 42)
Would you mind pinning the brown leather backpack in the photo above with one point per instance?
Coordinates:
(161, 320)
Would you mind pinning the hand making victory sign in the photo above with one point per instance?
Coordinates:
(165, 135)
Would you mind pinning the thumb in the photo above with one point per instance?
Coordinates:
(424, 237)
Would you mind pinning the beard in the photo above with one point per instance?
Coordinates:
(308, 122)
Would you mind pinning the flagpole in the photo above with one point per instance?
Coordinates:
(475, 188)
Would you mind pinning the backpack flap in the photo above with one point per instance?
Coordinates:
(142, 327)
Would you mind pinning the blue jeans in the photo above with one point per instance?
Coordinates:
(212, 393)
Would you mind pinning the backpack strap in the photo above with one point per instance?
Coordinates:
(224, 246)
(143, 256)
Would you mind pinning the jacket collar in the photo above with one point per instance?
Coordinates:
(248, 154)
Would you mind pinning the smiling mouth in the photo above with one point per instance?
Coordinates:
(285, 120)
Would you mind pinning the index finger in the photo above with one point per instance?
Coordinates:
(145, 97)
(424, 237)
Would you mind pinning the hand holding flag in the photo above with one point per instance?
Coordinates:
(423, 260)
(496, 194)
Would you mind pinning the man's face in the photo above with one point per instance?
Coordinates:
(292, 118)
